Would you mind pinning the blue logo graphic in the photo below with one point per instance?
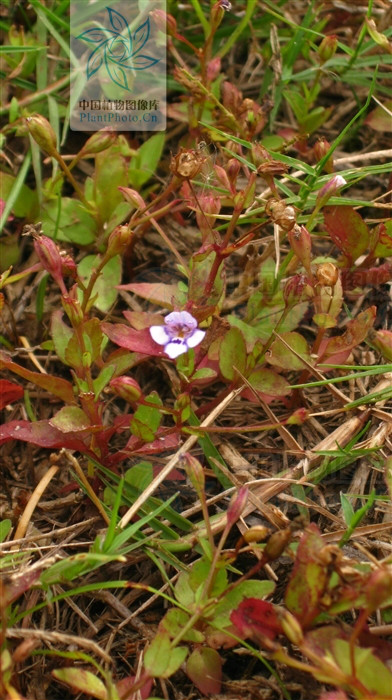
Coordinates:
(118, 48)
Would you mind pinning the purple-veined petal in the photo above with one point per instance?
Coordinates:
(175, 348)
(159, 335)
(181, 317)
(196, 338)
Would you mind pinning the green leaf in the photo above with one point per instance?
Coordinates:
(111, 172)
(144, 164)
(24, 198)
(175, 621)
(370, 670)
(266, 381)
(70, 419)
(105, 287)
(103, 379)
(5, 528)
(200, 572)
(315, 119)
(61, 334)
(383, 234)
(348, 510)
(279, 354)
(75, 225)
(232, 354)
(160, 660)
(183, 590)
(140, 475)
(83, 681)
(147, 419)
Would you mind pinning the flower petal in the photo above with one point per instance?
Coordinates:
(196, 338)
(176, 348)
(181, 318)
(159, 335)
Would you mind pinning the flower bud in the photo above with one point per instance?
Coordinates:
(327, 48)
(72, 308)
(195, 472)
(296, 290)
(281, 214)
(118, 241)
(299, 417)
(164, 22)
(98, 142)
(291, 628)
(213, 69)
(68, 265)
(217, 13)
(233, 169)
(329, 189)
(50, 258)
(320, 149)
(223, 177)
(232, 100)
(237, 506)
(133, 197)
(301, 244)
(209, 206)
(42, 133)
(127, 388)
(377, 36)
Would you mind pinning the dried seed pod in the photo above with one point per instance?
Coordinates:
(187, 163)
(327, 274)
(276, 544)
(282, 214)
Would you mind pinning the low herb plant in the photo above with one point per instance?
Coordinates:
(132, 385)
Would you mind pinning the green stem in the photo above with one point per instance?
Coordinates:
(71, 179)
(251, 4)
(201, 17)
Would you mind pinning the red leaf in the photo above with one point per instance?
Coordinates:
(256, 618)
(308, 579)
(363, 277)
(347, 230)
(166, 295)
(125, 685)
(40, 433)
(54, 385)
(338, 348)
(9, 392)
(137, 341)
(12, 588)
(204, 668)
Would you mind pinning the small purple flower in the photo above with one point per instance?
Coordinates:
(179, 333)
(225, 5)
(330, 188)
